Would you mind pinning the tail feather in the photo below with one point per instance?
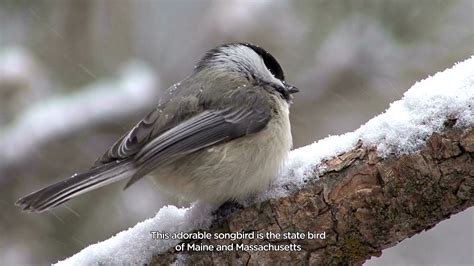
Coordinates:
(62, 191)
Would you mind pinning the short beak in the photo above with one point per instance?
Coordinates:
(292, 89)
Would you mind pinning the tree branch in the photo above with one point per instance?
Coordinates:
(364, 203)
(399, 174)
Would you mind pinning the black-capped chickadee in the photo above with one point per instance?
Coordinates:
(221, 134)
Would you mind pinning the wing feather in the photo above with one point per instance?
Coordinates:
(203, 130)
(154, 140)
(131, 143)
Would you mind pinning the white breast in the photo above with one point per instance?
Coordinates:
(233, 170)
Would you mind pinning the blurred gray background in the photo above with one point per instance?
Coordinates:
(75, 75)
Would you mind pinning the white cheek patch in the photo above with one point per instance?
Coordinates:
(250, 58)
(264, 70)
(273, 79)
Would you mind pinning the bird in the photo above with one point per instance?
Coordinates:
(221, 134)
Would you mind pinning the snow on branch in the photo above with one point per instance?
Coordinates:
(364, 160)
(135, 88)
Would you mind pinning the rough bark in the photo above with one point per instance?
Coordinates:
(363, 202)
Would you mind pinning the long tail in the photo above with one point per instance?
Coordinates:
(60, 192)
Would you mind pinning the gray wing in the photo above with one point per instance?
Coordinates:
(249, 113)
(131, 143)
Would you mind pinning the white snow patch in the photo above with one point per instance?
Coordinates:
(136, 246)
(401, 129)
